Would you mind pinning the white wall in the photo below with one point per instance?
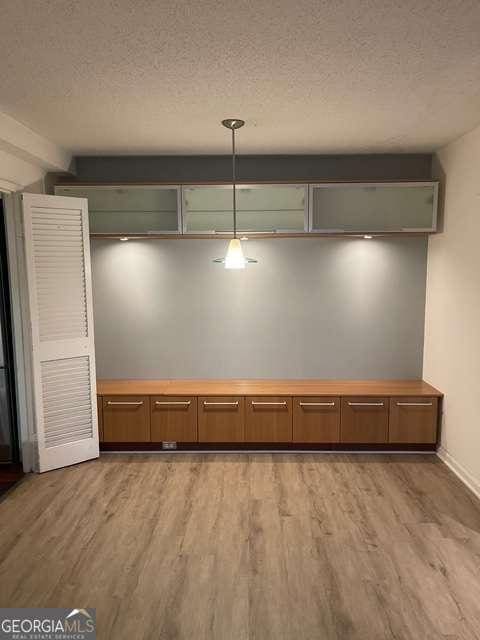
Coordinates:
(452, 326)
(310, 308)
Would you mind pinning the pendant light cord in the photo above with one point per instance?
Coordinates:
(234, 186)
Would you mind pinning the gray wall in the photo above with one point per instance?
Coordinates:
(316, 307)
(98, 169)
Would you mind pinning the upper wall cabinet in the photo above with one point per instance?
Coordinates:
(130, 209)
(260, 208)
(373, 207)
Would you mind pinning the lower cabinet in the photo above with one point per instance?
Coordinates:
(173, 419)
(364, 420)
(126, 419)
(268, 419)
(316, 420)
(413, 420)
(221, 419)
(355, 420)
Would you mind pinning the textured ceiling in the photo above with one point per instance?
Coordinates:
(308, 76)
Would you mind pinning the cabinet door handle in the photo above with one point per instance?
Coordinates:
(131, 404)
(414, 404)
(268, 404)
(183, 403)
(365, 404)
(317, 404)
(220, 404)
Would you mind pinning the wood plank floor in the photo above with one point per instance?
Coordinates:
(249, 546)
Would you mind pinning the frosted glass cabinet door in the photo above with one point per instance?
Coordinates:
(130, 209)
(267, 208)
(373, 207)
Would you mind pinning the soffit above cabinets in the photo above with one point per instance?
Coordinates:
(274, 209)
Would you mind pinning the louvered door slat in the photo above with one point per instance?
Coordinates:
(73, 377)
(60, 413)
(58, 274)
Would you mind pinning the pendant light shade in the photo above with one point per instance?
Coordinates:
(234, 258)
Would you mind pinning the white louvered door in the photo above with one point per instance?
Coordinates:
(58, 272)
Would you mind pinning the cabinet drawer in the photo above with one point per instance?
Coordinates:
(316, 419)
(364, 420)
(173, 419)
(413, 420)
(126, 419)
(100, 417)
(268, 419)
(221, 419)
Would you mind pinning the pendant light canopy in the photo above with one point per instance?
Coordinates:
(234, 258)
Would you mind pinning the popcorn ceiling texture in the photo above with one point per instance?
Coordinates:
(310, 76)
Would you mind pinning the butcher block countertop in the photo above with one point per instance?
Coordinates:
(266, 388)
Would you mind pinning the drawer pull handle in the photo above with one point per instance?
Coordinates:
(414, 404)
(131, 404)
(365, 404)
(268, 404)
(183, 403)
(220, 404)
(317, 404)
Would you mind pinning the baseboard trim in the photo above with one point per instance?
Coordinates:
(459, 470)
(322, 452)
(269, 447)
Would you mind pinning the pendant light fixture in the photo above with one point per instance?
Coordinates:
(234, 258)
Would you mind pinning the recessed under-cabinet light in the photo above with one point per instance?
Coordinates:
(368, 237)
(124, 239)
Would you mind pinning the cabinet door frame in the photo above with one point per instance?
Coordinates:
(320, 409)
(344, 185)
(106, 187)
(132, 403)
(174, 406)
(280, 232)
(225, 405)
(267, 405)
(399, 406)
(367, 405)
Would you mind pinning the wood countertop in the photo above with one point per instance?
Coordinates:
(266, 388)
